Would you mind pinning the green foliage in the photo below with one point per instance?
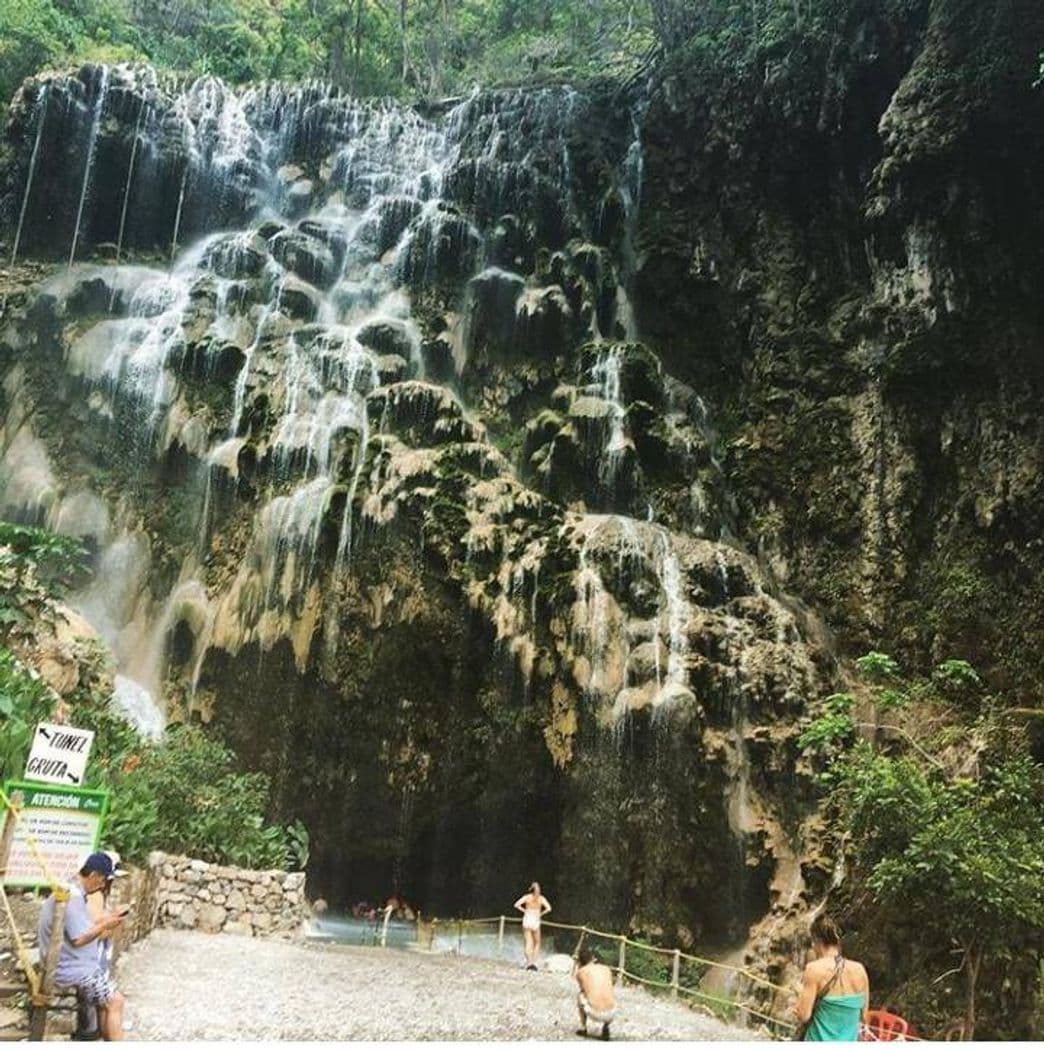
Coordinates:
(426, 48)
(185, 795)
(24, 701)
(965, 854)
(877, 667)
(945, 831)
(182, 794)
(957, 680)
(297, 845)
(60, 561)
(833, 727)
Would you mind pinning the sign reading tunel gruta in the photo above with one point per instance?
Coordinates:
(59, 754)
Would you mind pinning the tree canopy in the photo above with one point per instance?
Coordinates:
(942, 808)
(408, 48)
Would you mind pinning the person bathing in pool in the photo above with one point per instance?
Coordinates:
(534, 907)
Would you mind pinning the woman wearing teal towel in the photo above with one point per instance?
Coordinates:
(835, 992)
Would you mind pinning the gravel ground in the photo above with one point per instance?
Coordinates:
(191, 986)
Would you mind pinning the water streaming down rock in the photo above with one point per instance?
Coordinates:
(313, 415)
(97, 110)
(135, 702)
(606, 375)
(39, 119)
(142, 112)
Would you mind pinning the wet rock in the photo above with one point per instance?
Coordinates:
(237, 256)
(298, 299)
(307, 257)
(647, 661)
(544, 320)
(389, 337)
(393, 217)
(493, 295)
(437, 356)
(288, 174)
(442, 245)
(391, 368)
(298, 198)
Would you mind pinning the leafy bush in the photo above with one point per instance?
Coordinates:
(24, 701)
(834, 726)
(181, 795)
(877, 667)
(188, 792)
(946, 831)
(957, 680)
(60, 561)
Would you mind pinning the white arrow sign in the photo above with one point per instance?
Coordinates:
(59, 754)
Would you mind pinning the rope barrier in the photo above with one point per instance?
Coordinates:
(738, 1006)
(586, 931)
(757, 978)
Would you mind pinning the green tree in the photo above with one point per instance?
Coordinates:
(963, 854)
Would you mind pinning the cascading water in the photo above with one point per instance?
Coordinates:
(628, 190)
(92, 141)
(342, 273)
(605, 375)
(137, 705)
(142, 112)
(40, 119)
(337, 263)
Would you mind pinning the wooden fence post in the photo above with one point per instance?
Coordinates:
(460, 936)
(40, 1002)
(500, 937)
(675, 971)
(434, 933)
(384, 927)
(622, 964)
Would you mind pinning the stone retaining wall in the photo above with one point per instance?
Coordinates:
(194, 895)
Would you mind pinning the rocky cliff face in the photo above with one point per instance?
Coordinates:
(350, 403)
(853, 231)
(475, 472)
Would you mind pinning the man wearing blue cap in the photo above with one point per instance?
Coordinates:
(79, 964)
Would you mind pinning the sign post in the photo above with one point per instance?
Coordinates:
(59, 754)
(64, 824)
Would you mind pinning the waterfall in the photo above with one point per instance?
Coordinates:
(41, 117)
(137, 705)
(177, 214)
(343, 339)
(99, 105)
(404, 204)
(605, 374)
(343, 218)
(609, 636)
(127, 187)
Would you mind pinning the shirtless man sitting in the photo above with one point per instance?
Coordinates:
(596, 1000)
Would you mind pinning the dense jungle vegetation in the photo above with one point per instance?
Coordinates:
(405, 48)
(929, 768)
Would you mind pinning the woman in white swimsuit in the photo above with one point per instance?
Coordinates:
(533, 907)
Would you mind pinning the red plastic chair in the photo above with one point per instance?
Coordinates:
(883, 1027)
